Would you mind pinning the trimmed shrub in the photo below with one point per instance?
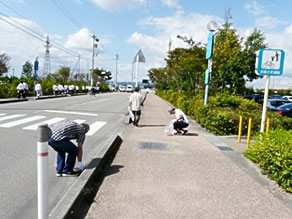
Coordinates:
(273, 153)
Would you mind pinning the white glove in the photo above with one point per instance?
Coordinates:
(81, 165)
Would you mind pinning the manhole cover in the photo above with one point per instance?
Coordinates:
(152, 145)
(224, 148)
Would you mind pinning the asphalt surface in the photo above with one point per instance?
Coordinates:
(18, 141)
(194, 176)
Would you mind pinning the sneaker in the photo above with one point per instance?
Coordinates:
(73, 173)
(58, 174)
(185, 132)
(178, 133)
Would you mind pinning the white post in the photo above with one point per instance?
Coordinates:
(137, 70)
(42, 169)
(265, 103)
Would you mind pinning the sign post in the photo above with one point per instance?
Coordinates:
(270, 63)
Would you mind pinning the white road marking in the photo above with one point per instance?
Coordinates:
(2, 114)
(71, 112)
(19, 122)
(49, 122)
(11, 117)
(79, 121)
(95, 127)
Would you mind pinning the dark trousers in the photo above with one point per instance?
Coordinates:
(62, 147)
(21, 93)
(179, 125)
(137, 115)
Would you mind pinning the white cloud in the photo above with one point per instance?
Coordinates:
(155, 47)
(255, 9)
(112, 5)
(171, 3)
(268, 22)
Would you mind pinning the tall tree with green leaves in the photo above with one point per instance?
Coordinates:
(27, 70)
(64, 74)
(4, 61)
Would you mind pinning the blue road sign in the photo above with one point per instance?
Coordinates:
(209, 51)
(271, 62)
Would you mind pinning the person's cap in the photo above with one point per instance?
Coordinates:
(170, 109)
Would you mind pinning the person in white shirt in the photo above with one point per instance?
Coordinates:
(38, 89)
(20, 90)
(135, 102)
(181, 121)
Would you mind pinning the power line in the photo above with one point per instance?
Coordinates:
(36, 34)
(66, 12)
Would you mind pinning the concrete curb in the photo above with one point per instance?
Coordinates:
(73, 199)
(12, 101)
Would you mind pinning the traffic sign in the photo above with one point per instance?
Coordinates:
(209, 51)
(270, 62)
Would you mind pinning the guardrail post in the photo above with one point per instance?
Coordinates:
(42, 168)
(249, 132)
(239, 129)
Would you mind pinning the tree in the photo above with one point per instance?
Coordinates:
(27, 70)
(101, 75)
(4, 59)
(63, 74)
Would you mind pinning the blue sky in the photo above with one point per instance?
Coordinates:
(125, 26)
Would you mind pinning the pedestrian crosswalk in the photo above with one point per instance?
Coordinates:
(16, 120)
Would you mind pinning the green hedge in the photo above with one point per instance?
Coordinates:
(273, 153)
(221, 115)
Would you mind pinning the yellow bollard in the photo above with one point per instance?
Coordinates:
(239, 129)
(249, 132)
(268, 126)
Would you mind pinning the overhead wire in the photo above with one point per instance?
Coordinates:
(34, 33)
(67, 13)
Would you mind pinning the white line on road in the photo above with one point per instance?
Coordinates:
(79, 121)
(11, 117)
(71, 112)
(49, 122)
(19, 122)
(95, 127)
(2, 114)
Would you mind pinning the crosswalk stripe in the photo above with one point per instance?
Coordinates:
(49, 122)
(11, 117)
(71, 112)
(95, 127)
(79, 121)
(22, 121)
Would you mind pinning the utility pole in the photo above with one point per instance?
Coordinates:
(94, 45)
(116, 76)
(47, 64)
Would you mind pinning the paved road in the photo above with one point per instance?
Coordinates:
(18, 141)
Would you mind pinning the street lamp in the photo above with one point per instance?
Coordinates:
(212, 26)
(95, 40)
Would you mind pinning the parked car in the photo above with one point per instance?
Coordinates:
(255, 97)
(129, 88)
(285, 110)
(288, 98)
(122, 88)
(273, 104)
(275, 96)
(112, 87)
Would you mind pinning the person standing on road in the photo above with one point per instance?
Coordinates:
(25, 88)
(20, 90)
(181, 121)
(38, 89)
(62, 133)
(135, 103)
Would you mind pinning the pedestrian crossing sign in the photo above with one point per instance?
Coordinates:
(270, 62)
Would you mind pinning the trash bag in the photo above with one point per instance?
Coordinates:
(169, 130)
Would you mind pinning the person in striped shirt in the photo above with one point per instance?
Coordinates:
(62, 134)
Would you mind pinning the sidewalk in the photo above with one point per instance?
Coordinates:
(158, 176)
